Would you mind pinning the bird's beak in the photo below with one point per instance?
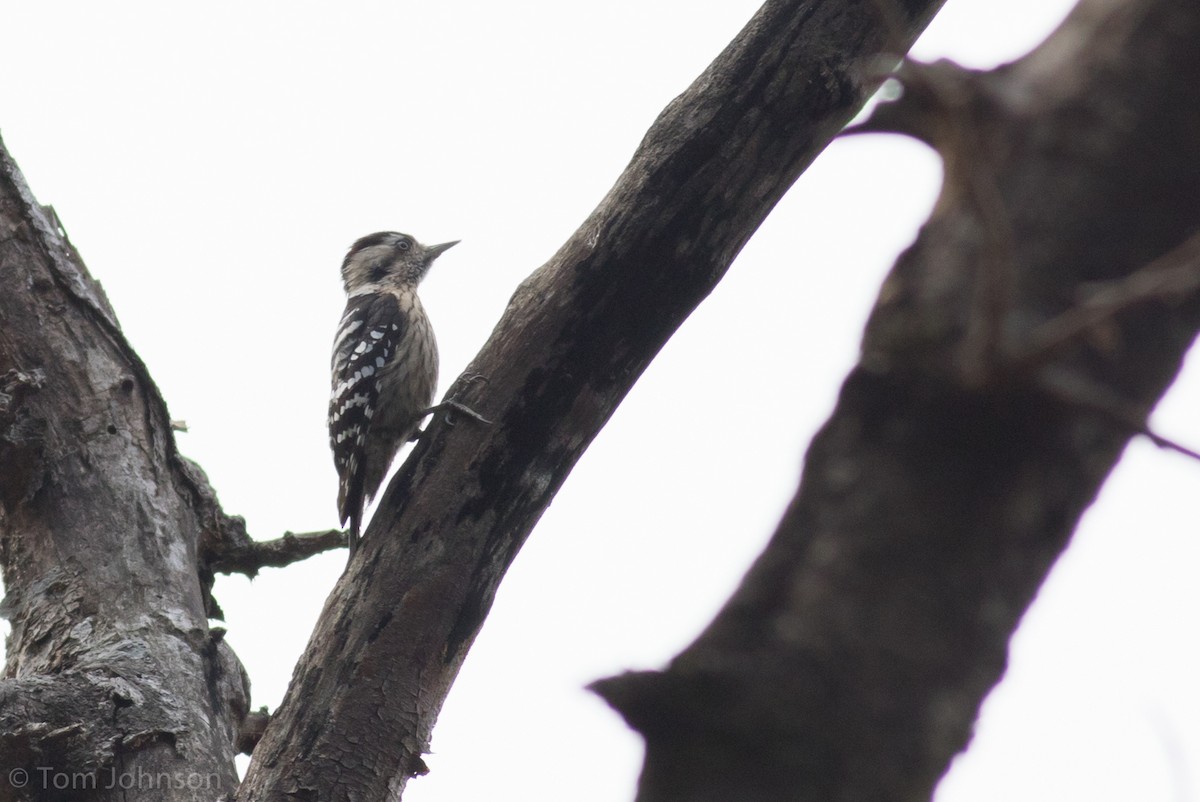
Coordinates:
(435, 251)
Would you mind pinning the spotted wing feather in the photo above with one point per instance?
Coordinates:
(370, 330)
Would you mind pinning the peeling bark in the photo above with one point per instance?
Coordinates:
(1015, 348)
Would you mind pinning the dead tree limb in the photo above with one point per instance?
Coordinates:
(852, 661)
(292, 547)
(577, 334)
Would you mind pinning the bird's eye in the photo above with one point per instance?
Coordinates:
(403, 244)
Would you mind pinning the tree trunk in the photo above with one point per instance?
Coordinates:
(115, 686)
(1014, 350)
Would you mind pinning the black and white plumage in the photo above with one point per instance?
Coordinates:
(385, 365)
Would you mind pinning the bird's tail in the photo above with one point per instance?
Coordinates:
(350, 507)
(355, 531)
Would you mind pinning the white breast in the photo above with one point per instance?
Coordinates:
(409, 379)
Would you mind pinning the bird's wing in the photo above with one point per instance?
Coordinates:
(367, 337)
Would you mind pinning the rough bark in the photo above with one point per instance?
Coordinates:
(114, 687)
(577, 334)
(1015, 348)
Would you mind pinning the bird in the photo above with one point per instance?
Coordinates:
(384, 365)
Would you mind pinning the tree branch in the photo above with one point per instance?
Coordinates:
(576, 335)
(852, 660)
(254, 555)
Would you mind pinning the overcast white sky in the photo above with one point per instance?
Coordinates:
(212, 163)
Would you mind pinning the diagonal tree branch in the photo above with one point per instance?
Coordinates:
(852, 661)
(575, 337)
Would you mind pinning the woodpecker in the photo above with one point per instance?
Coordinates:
(385, 365)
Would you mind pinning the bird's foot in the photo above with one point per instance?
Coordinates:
(455, 406)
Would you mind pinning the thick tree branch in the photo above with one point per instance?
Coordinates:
(852, 661)
(575, 337)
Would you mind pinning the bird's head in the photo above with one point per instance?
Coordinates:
(387, 260)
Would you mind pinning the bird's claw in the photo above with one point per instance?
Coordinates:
(460, 407)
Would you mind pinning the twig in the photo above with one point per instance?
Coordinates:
(1173, 275)
(1085, 394)
(248, 559)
